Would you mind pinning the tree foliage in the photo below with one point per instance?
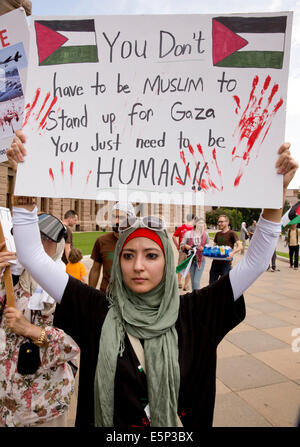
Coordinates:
(236, 216)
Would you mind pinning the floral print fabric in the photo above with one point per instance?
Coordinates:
(34, 398)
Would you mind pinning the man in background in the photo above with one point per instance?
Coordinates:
(251, 229)
(70, 219)
(224, 237)
(104, 247)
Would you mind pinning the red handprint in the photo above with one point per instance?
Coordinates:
(42, 107)
(204, 171)
(255, 122)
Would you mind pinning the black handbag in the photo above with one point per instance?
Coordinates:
(29, 357)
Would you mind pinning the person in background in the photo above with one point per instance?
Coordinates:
(293, 241)
(272, 267)
(41, 396)
(70, 219)
(224, 237)
(244, 235)
(251, 229)
(196, 238)
(75, 267)
(104, 247)
(177, 239)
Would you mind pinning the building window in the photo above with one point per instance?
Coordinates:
(44, 205)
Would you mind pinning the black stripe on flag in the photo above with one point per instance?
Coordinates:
(254, 24)
(69, 25)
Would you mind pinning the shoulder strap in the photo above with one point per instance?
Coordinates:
(139, 351)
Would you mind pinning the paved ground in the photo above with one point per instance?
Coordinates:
(258, 369)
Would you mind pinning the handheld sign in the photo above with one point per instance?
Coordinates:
(5, 215)
(166, 108)
(14, 41)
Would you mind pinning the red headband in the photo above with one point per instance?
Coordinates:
(145, 232)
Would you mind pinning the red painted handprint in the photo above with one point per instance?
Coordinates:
(255, 122)
(205, 172)
(40, 109)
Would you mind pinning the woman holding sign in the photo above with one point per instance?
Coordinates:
(142, 315)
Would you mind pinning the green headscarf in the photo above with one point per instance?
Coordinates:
(150, 316)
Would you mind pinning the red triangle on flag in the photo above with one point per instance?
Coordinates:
(47, 40)
(225, 42)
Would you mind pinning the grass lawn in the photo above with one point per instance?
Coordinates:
(85, 241)
(280, 253)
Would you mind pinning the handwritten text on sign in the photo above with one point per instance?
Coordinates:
(157, 105)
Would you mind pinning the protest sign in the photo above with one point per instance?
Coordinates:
(14, 41)
(6, 222)
(167, 108)
(9, 244)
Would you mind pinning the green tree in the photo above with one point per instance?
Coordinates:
(236, 216)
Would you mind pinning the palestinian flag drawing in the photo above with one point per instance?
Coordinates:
(248, 41)
(66, 41)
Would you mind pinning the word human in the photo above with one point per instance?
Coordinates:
(145, 173)
(122, 48)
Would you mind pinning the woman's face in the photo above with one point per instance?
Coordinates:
(200, 226)
(142, 264)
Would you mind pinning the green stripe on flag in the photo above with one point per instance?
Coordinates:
(183, 265)
(72, 54)
(259, 59)
(296, 220)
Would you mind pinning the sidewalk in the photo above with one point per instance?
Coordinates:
(258, 373)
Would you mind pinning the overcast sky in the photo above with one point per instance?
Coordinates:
(98, 7)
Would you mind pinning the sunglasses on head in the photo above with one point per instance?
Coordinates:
(151, 222)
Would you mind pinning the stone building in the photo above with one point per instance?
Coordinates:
(293, 196)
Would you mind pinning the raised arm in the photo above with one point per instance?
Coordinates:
(32, 256)
(264, 240)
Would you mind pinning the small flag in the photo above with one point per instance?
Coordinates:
(248, 41)
(292, 214)
(185, 266)
(294, 221)
(66, 41)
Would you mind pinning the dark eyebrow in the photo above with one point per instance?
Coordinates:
(146, 249)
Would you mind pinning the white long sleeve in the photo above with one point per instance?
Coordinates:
(257, 257)
(47, 273)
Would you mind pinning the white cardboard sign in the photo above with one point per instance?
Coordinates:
(14, 42)
(167, 108)
(6, 222)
